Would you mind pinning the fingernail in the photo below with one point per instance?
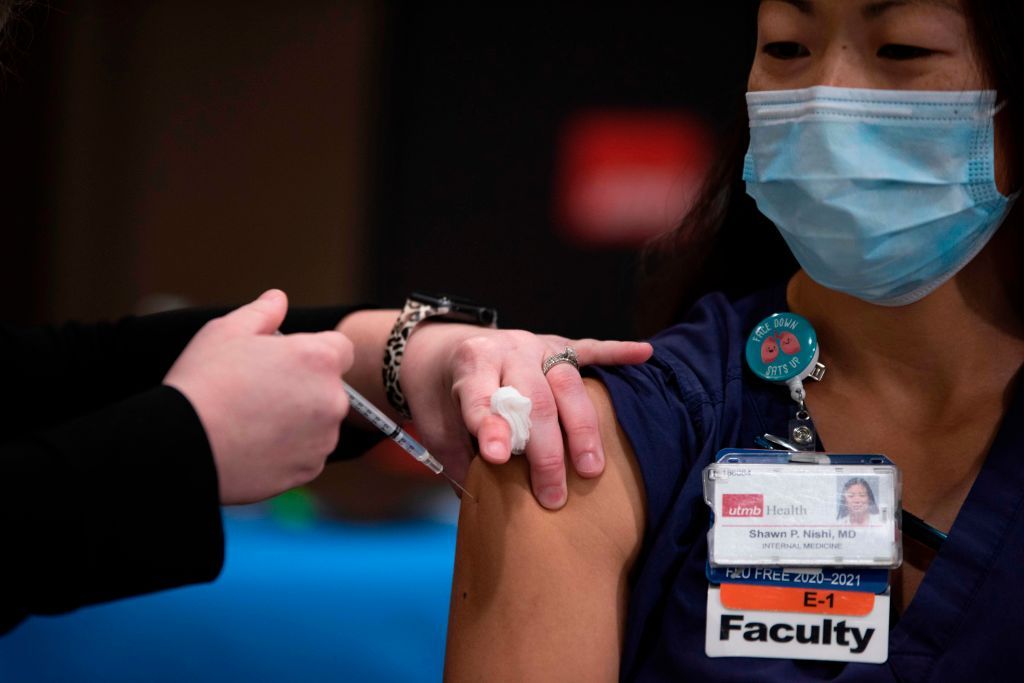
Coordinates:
(588, 464)
(494, 449)
(552, 496)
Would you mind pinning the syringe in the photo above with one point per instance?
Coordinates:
(385, 424)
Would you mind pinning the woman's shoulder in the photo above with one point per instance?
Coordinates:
(695, 362)
(693, 396)
(705, 349)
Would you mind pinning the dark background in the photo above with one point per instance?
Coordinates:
(173, 152)
(167, 152)
(476, 100)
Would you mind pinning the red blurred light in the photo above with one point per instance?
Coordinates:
(625, 177)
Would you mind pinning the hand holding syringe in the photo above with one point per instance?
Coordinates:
(389, 427)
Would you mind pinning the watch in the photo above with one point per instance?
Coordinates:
(420, 307)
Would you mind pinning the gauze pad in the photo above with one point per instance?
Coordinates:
(515, 408)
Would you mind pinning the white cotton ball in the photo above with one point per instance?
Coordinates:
(515, 408)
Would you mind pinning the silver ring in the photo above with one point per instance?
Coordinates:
(567, 356)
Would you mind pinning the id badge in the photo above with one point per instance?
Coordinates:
(803, 510)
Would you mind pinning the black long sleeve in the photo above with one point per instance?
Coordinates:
(107, 483)
(49, 374)
(120, 502)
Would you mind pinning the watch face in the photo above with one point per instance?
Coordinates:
(458, 308)
(435, 300)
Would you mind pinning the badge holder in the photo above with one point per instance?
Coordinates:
(803, 510)
(783, 349)
(799, 551)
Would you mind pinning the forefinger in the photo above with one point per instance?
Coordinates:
(473, 391)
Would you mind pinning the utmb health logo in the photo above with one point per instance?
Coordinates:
(743, 505)
(752, 505)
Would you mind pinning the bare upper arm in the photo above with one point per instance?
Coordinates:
(540, 594)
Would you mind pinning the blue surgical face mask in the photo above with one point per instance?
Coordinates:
(881, 194)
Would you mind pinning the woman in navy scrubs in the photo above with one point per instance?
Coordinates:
(884, 144)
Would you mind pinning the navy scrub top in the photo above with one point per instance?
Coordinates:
(694, 397)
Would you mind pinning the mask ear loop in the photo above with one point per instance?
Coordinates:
(1001, 105)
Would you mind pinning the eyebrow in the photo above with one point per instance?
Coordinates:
(877, 9)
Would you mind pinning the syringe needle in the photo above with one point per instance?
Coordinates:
(398, 435)
(458, 485)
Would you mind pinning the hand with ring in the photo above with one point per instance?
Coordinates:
(450, 371)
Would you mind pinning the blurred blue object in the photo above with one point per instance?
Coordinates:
(327, 602)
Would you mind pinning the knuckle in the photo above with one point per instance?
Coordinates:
(472, 350)
(584, 435)
(320, 446)
(335, 340)
(463, 395)
(311, 470)
(548, 467)
(523, 340)
(341, 406)
(520, 337)
(317, 356)
(329, 409)
(564, 380)
(330, 442)
(347, 351)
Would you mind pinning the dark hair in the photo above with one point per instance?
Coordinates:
(724, 243)
(856, 481)
(9, 12)
(5, 11)
(997, 29)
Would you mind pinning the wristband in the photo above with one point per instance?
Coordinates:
(419, 307)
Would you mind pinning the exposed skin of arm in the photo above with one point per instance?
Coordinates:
(537, 595)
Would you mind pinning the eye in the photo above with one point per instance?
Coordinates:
(785, 50)
(903, 52)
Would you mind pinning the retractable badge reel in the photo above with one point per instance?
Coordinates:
(783, 349)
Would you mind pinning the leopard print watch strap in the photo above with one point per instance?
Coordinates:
(419, 307)
(413, 313)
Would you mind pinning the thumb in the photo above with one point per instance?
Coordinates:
(262, 316)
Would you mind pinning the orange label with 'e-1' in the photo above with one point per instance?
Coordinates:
(744, 596)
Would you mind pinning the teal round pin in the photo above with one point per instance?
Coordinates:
(783, 348)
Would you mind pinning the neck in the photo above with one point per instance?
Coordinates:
(967, 333)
